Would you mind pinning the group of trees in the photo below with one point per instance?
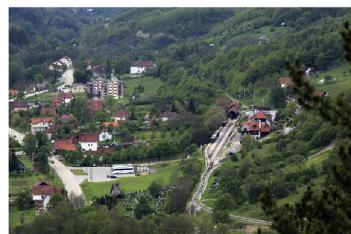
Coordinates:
(38, 149)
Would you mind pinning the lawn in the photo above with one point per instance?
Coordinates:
(164, 173)
(342, 84)
(17, 183)
(78, 172)
(151, 85)
(44, 97)
(15, 217)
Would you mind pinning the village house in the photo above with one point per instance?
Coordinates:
(120, 116)
(41, 194)
(114, 124)
(138, 67)
(320, 93)
(65, 119)
(105, 135)
(18, 106)
(284, 82)
(13, 92)
(97, 70)
(89, 141)
(168, 115)
(78, 88)
(51, 111)
(41, 124)
(65, 144)
(258, 126)
(95, 105)
(66, 97)
(33, 105)
(233, 109)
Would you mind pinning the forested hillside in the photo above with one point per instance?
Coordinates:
(200, 52)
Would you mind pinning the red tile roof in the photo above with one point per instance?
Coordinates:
(284, 80)
(169, 115)
(43, 188)
(67, 118)
(47, 110)
(114, 124)
(260, 115)
(89, 137)
(96, 105)
(66, 95)
(64, 144)
(44, 120)
(143, 64)
(121, 114)
(253, 126)
(18, 105)
(13, 92)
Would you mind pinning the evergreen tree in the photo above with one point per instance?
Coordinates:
(142, 208)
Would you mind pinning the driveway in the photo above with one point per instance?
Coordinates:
(16, 135)
(70, 181)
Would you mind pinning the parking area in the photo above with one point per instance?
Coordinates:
(97, 174)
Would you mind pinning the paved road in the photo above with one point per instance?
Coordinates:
(70, 181)
(16, 135)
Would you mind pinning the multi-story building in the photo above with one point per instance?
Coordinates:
(115, 88)
(101, 88)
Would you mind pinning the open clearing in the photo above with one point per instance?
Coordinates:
(164, 174)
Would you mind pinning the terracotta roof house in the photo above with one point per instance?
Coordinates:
(233, 109)
(256, 128)
(89, 141)
(95, 105)
(113, 124)
(41, 124)
(65, 144)
(284, 82)
(138, 67)
(18, 106)
(120, 115)
(13, 92)
(320, 93)
(48, 111)
(41, 193)
(66, 97)
(168, 115)
(67, 118)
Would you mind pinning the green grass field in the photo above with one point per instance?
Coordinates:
(78, 172)
(164, 174)
(342, 84)
(21, 182)
(151, 85)
(44, 97)
(15, 217)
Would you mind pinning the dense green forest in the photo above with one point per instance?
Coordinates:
(199, 52)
